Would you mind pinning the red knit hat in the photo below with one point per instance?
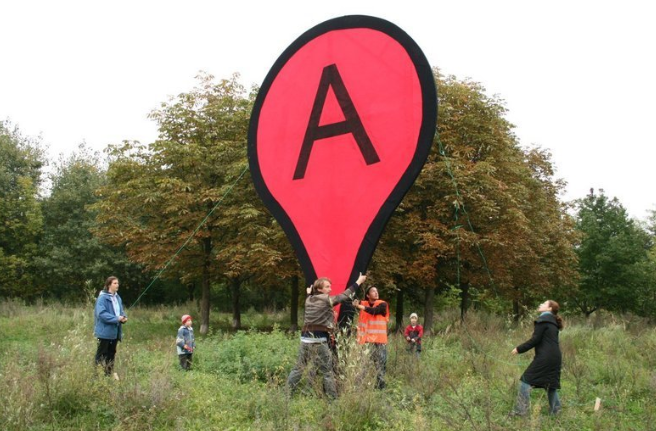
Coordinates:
(185, 318)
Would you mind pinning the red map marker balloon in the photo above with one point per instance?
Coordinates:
(341, 127)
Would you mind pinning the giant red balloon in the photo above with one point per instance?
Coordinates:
(341, 127)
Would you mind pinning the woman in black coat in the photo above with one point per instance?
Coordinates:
(544, 371)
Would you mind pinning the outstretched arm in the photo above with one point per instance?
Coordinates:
(538, 333)
(350, 293)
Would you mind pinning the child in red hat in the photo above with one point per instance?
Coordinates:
(185, 342)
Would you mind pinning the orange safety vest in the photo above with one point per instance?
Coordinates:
(373, 329)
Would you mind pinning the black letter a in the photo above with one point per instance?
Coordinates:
(352, 124)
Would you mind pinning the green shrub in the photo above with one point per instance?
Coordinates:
(250, 355)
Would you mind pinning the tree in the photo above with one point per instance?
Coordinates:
(548, 267)
(612, 255)
(158, 194)
(71, 262)
(21, 162)
(646, 293)
(484, 216)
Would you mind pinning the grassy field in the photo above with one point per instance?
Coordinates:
(466, 378)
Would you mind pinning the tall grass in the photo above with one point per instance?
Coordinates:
(465, 378)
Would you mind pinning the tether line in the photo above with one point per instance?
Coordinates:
(461, 204)
(159, 273)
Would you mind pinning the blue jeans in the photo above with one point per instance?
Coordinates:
(524, 398)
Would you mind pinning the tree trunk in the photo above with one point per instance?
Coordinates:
(464, 300)
(428, 310)
(516, 310)
(294, 304)
(236, 307)
(399, 311)
(205, 294)
(191, 288)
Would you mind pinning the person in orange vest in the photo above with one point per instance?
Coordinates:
(372, 329)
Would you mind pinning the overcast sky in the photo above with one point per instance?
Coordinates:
(578, 77)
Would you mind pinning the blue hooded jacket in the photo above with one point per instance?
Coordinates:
(107, 325)
(185, 338)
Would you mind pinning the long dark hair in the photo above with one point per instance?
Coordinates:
(554, 310)
(108, 282)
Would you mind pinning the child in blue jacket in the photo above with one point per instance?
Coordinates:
(185, 342)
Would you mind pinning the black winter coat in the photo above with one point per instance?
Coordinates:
(544, 371)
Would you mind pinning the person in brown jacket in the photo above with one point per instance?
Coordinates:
(318, 326)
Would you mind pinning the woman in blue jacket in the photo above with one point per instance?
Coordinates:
(109, 316)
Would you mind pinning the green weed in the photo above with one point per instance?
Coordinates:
(465, 379)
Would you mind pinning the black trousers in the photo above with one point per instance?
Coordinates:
(105, 354)
(185, 361)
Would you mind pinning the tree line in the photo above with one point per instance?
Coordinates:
(483, 226)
